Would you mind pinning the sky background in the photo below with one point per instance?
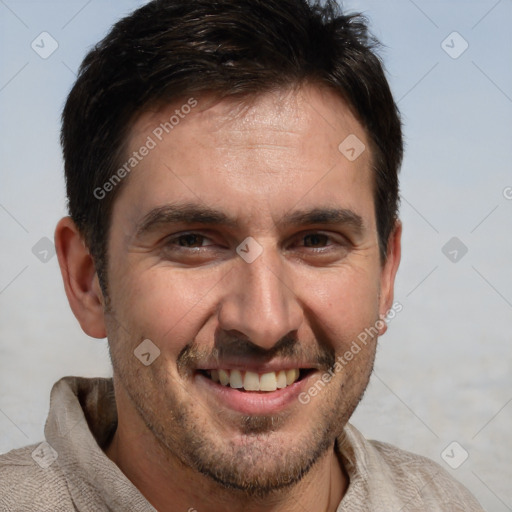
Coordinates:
(444, 369)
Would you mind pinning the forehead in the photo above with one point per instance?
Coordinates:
(308, 116)
(281, 147)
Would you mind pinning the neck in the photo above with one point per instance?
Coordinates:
(169, 485)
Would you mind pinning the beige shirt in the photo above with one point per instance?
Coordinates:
(70, 472)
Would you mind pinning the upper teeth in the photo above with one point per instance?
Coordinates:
(252, 381)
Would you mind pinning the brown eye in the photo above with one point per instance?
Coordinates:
(316, 240)
(190, 240)
(193, 249)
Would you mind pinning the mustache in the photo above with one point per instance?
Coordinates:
(237, 346)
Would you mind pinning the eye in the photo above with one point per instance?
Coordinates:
(316, 240)
(193, 248)
(320, 248)
(189, 240)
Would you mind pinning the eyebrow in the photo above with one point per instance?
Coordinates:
(326, 216)
(187, 213)
(192, 213)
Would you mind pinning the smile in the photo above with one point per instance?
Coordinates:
(254, 389)
(252, 381)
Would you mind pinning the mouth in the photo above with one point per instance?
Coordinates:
(253, 381)
(253, 393)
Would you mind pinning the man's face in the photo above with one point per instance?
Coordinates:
(271, 171)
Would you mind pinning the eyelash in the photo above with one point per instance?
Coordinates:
(176, 238)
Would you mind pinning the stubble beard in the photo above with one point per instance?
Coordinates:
(260, 461)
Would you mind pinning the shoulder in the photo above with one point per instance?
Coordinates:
(434, 482)
(30, 481)
(417, 483)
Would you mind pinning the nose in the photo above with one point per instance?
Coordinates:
(260, 302)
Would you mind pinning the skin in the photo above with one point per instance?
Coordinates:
(313, 289)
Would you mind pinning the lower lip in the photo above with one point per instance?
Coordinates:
(252, 402)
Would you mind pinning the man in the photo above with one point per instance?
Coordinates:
(231, 171)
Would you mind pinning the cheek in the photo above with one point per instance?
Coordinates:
(165, 305)
(343, 303)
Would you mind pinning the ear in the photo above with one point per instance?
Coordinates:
(388, 272)
(80, 278)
